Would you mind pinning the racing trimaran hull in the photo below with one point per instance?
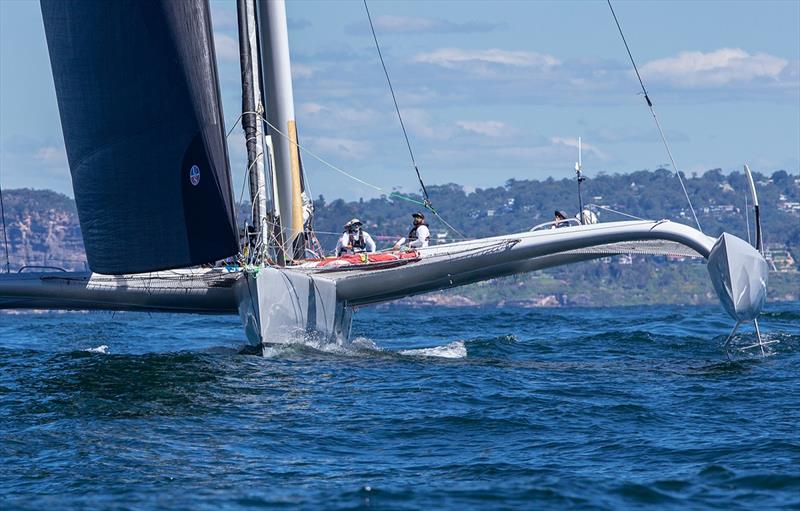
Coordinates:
(278, 304)
(154, 192)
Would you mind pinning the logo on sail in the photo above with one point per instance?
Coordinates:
(194, 175)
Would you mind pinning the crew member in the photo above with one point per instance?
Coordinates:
(587, 217)
(354, 240)
(419, 236)
(560, 220)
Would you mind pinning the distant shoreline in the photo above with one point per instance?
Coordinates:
(461, 302)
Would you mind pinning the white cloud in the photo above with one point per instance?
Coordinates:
(346, 148)
(585, 148)
(421, 124)
(52, 156)
(630, 133)
(452, 58)
(227, 47)
(550, 156)
(555, 155)
(405, 24)
(487, 128)
(309, 108)
(412, 24)
(719, 67)
(300, 71)
(336, 116)
(223, 15)
(298, 23)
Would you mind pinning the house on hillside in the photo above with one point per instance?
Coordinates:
(791, 207)
(779, 258)
(440, 237)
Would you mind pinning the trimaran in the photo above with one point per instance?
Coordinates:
(139, 100)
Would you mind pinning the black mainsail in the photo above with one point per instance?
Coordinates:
(138, 94)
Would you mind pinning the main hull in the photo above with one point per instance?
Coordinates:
(281, 306)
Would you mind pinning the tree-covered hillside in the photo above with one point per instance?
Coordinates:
(42, 228)
(719, 200)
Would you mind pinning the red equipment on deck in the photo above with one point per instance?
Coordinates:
(363, 260)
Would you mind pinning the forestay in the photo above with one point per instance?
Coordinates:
(138, 94)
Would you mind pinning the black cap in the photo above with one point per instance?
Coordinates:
(418, 214)
(560, 214)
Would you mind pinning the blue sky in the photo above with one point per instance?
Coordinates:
(489, 90)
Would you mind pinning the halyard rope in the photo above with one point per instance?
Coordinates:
(655, 118)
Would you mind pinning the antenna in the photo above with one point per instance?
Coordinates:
(581, 179)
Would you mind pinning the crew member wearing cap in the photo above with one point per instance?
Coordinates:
(560, 220)
(354, 240)
(419, 236)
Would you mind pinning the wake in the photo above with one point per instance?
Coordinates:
(360, 347)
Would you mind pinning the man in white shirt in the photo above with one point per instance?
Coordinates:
(419, 236)
(354, 240)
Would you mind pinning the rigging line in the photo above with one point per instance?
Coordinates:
(677, 172)
(425, 203)
(396, 195)
(247, 177)
(653, 112)
(235, 123)
(244, 183)
(337, 169)
(397, 109)
(614, 211)
(463, 236)
(393, 194)
(247, 174)
(248, 112)
(316, 157)
(5, 235)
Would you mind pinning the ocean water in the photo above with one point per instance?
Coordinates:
(476, 408)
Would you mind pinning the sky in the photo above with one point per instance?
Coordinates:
(489, 91)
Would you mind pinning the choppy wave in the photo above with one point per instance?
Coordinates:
(103, 349)
(456, 409)
(455, 349)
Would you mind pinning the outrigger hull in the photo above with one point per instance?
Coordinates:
(207, 291)
(739, 276)
(280, 304)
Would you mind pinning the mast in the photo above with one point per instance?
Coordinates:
(279, 99)
(252, 109)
